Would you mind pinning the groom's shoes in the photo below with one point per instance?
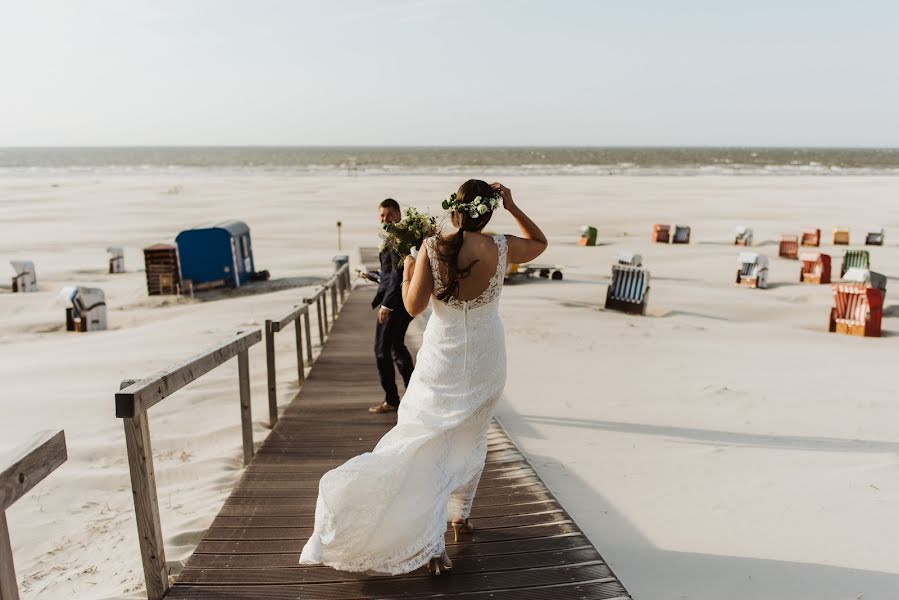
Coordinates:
(383, 407)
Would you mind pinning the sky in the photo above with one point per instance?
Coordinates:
(449, 72)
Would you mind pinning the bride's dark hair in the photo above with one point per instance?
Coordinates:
(447, 247)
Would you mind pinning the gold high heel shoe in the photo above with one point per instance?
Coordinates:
(461, 527)
(440, 564)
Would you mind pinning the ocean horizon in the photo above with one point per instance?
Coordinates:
(448, 160)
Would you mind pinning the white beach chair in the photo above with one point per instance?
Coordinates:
(116, 259)
(88, 308)
(742, 236)
(753, 271)
(25, 279)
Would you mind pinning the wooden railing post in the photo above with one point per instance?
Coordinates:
(333, 302)
(308, 335)
(321, 328)
(270, 370)
(9, 587)
(301, 366)
(323, 299)
(146, 504)
(246, 418)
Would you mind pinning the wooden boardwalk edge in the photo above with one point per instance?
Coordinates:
(525, 547)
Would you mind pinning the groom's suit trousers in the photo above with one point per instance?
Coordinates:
(390, 348)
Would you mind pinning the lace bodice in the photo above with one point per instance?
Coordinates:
(493, 288)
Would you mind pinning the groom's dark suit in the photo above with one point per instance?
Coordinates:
(390, 344)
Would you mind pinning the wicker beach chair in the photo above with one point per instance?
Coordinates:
(815, 268)
(660, 233)
(857, 310)
(116, 259)
(681, 234)
(629, 290)
(588, 236)
(742, 236)
(874, 237)
(789, 246)
(840, 236)
(753, 271)
(811, 237)
(25, 279)
(852, 259)
(88, 308)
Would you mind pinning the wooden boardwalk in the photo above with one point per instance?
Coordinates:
(526, 547)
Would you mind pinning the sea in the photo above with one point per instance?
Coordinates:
(432, 160)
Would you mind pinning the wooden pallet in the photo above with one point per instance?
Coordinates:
(526, 547)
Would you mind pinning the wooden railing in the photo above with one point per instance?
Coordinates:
(337, 287)
(21, 471)
(131, 404)
(136, 397)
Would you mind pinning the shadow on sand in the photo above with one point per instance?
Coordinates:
(650, 572)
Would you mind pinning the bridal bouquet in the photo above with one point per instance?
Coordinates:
(407, 233)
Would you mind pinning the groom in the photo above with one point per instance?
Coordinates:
(393, 320)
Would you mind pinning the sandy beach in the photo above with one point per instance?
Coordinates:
(723, 446)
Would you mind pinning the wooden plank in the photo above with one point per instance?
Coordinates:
(225, 574)
(410, 587)
(9, 586)
(28, 464)
(143, 394)
(246, 416)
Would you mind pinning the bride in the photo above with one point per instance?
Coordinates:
(386, 511)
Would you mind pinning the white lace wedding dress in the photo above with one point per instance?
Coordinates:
(386, 511)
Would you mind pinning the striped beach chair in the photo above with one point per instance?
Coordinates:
(743, 236)
(857, 310)
(660, 233)
(629, 290)
(874, 237)
(815, 268)
(681, 235)
(753, 271)
(840, 236)
(629, 259)
(811, 237)
(789, 246)
(855, 259)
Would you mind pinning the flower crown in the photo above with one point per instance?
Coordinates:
(477, 207)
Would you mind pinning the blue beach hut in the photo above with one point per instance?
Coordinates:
(220, 255)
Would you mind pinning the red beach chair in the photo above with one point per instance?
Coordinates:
(815, 268)
(660, 233)
(857, 310)
(789, 246)
(811, 237)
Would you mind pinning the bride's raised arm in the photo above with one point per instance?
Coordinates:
(532, 242)
(418, 282)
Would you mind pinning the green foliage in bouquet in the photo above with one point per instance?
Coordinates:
(407, 233)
